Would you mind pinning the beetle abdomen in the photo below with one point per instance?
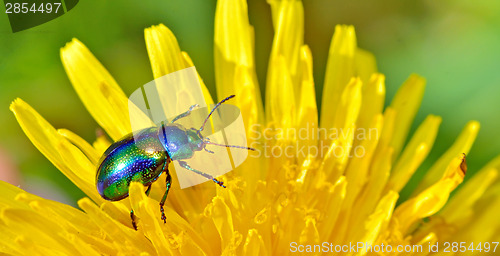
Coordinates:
(141, 159)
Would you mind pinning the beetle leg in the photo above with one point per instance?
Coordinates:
(162, 202)
(148, 190)
(185, 165)
(132, 216)
(185, 113)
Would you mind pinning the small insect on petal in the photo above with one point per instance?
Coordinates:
(463, 165)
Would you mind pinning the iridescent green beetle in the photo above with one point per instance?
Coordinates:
(143, 156)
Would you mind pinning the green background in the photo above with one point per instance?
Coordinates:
(454, 44)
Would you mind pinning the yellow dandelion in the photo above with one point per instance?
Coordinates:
(321, 192)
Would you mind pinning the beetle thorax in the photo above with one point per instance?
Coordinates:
(179, 142)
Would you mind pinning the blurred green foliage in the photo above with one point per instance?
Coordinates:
(454, 44)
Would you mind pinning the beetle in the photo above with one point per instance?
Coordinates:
(144, 155)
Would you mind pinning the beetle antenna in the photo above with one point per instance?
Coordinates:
(229, 146)
(216, 106)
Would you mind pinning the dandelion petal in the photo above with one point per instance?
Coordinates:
(461, 145)
(97, 89)
(406, 104)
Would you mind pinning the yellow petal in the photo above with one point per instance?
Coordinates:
(9, 193)
(15, 197)
(130, 240)
(275, 9)
(81, 167)
(97, 89)
(414, 154)
(462, 145)
(234, 60)
(83, 145)
(80, 229)
(373, 96)
(349, 105)
(310, 233)
(163, 50)
(342, 133)
(432, 199)
(44, 232)
(429, 239)
(365, 64)
(388, 131)
(379, 169)
(337, 156)
(191, 201)
(254, 245)
(373, 191)
(460, 207)
(460, 211)
(280, 99)
(339, 70)
(336, 196)
(101, 144)
(233, 45)
(233, 34)
(59, 151)
(248, 100)
(166, 57)
(148, 221)
(406, 104)
(288, 39)
(44, 225)
(189, 247)
(307, 116)
(206, 94)
(222, 218)
(148, 211)
(356, 175)
(359, 164)
(378, 221)
(493, 164)
(119, 210)
(484, 226)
